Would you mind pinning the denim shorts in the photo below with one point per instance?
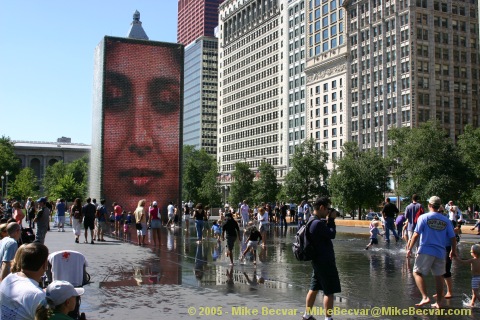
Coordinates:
(156, 224)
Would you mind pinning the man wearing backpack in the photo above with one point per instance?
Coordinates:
(325, 275)
(411, 215)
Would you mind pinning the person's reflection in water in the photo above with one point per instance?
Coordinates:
(200, 262)
(217, 251)
(170, 240)
(229, 282)
(138, 275)
(141, 122)
(255, 280)
(262, 255)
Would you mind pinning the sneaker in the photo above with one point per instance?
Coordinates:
(91, 242)
(308, 318)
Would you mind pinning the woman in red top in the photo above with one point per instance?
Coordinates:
(155, 223)
(18, 214)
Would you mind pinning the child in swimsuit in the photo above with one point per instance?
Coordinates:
(475, 268)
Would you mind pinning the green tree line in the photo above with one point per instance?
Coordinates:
(423, 160)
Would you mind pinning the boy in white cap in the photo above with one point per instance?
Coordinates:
(61, 299)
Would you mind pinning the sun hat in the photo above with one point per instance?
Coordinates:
(59, 291)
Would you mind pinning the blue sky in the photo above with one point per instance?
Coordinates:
(46, 60)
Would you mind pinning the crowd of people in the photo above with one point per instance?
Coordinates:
(431, 238)
(21, 293)
(430, 235)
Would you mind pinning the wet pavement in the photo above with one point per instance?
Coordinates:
(184, 279)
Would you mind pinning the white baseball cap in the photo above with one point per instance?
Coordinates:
(59, 291)
(154, 203)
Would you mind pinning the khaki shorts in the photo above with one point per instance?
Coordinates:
(102, 226)
(425, 263)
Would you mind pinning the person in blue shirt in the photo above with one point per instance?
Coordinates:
(216, 230)
(431, 230)
(60, 206)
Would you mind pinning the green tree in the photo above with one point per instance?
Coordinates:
(25, 185)
(308, 176)
(8, 161)
(359, 179)
(67, 187)
(242, 185)
(469, 149)
(52, 175)
(68, 181)
(198, 166)
(209, 191)
(79, 170)
(427, 163)
(266, 188)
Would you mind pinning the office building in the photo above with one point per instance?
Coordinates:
(295, 24)
(326, 76)
(251, 85)
(196, 18)
(395, 64)
(200, 95)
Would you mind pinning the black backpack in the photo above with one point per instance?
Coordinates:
(302, 248)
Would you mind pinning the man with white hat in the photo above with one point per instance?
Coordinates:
(433, 229)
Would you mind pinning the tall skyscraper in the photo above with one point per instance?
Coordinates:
(196, 18)
(326, 76)
(294, 71)
(200, 98)
(250, 107)
(395, 64)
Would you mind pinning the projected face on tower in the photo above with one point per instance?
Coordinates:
(142, 102)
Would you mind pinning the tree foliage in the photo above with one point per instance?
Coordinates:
(469, 150)
(8, 160)
(308, 176)
(359, 179)
(25, 185)
(209, 191)
(266, 188)
(67, 181)
(426, 162)
(242, 185)
(199, 181)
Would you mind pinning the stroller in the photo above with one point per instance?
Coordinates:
(68, 265)
(27, 236)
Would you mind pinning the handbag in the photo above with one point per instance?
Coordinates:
(138, 226)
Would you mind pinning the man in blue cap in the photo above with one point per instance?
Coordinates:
(42, 219)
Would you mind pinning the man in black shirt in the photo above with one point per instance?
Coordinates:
(325, 274)
(389, 212)
(88, 212)
(283, 215)
(230, 227)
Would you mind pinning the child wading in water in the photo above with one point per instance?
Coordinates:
(253, 240)
(475, 267)
(217, 230)
(374, 232)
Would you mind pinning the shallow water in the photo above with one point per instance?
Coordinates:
(379, 277)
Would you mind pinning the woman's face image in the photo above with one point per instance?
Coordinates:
(141, 123)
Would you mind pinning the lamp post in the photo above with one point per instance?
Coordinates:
(1, 196)
(6, 183)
